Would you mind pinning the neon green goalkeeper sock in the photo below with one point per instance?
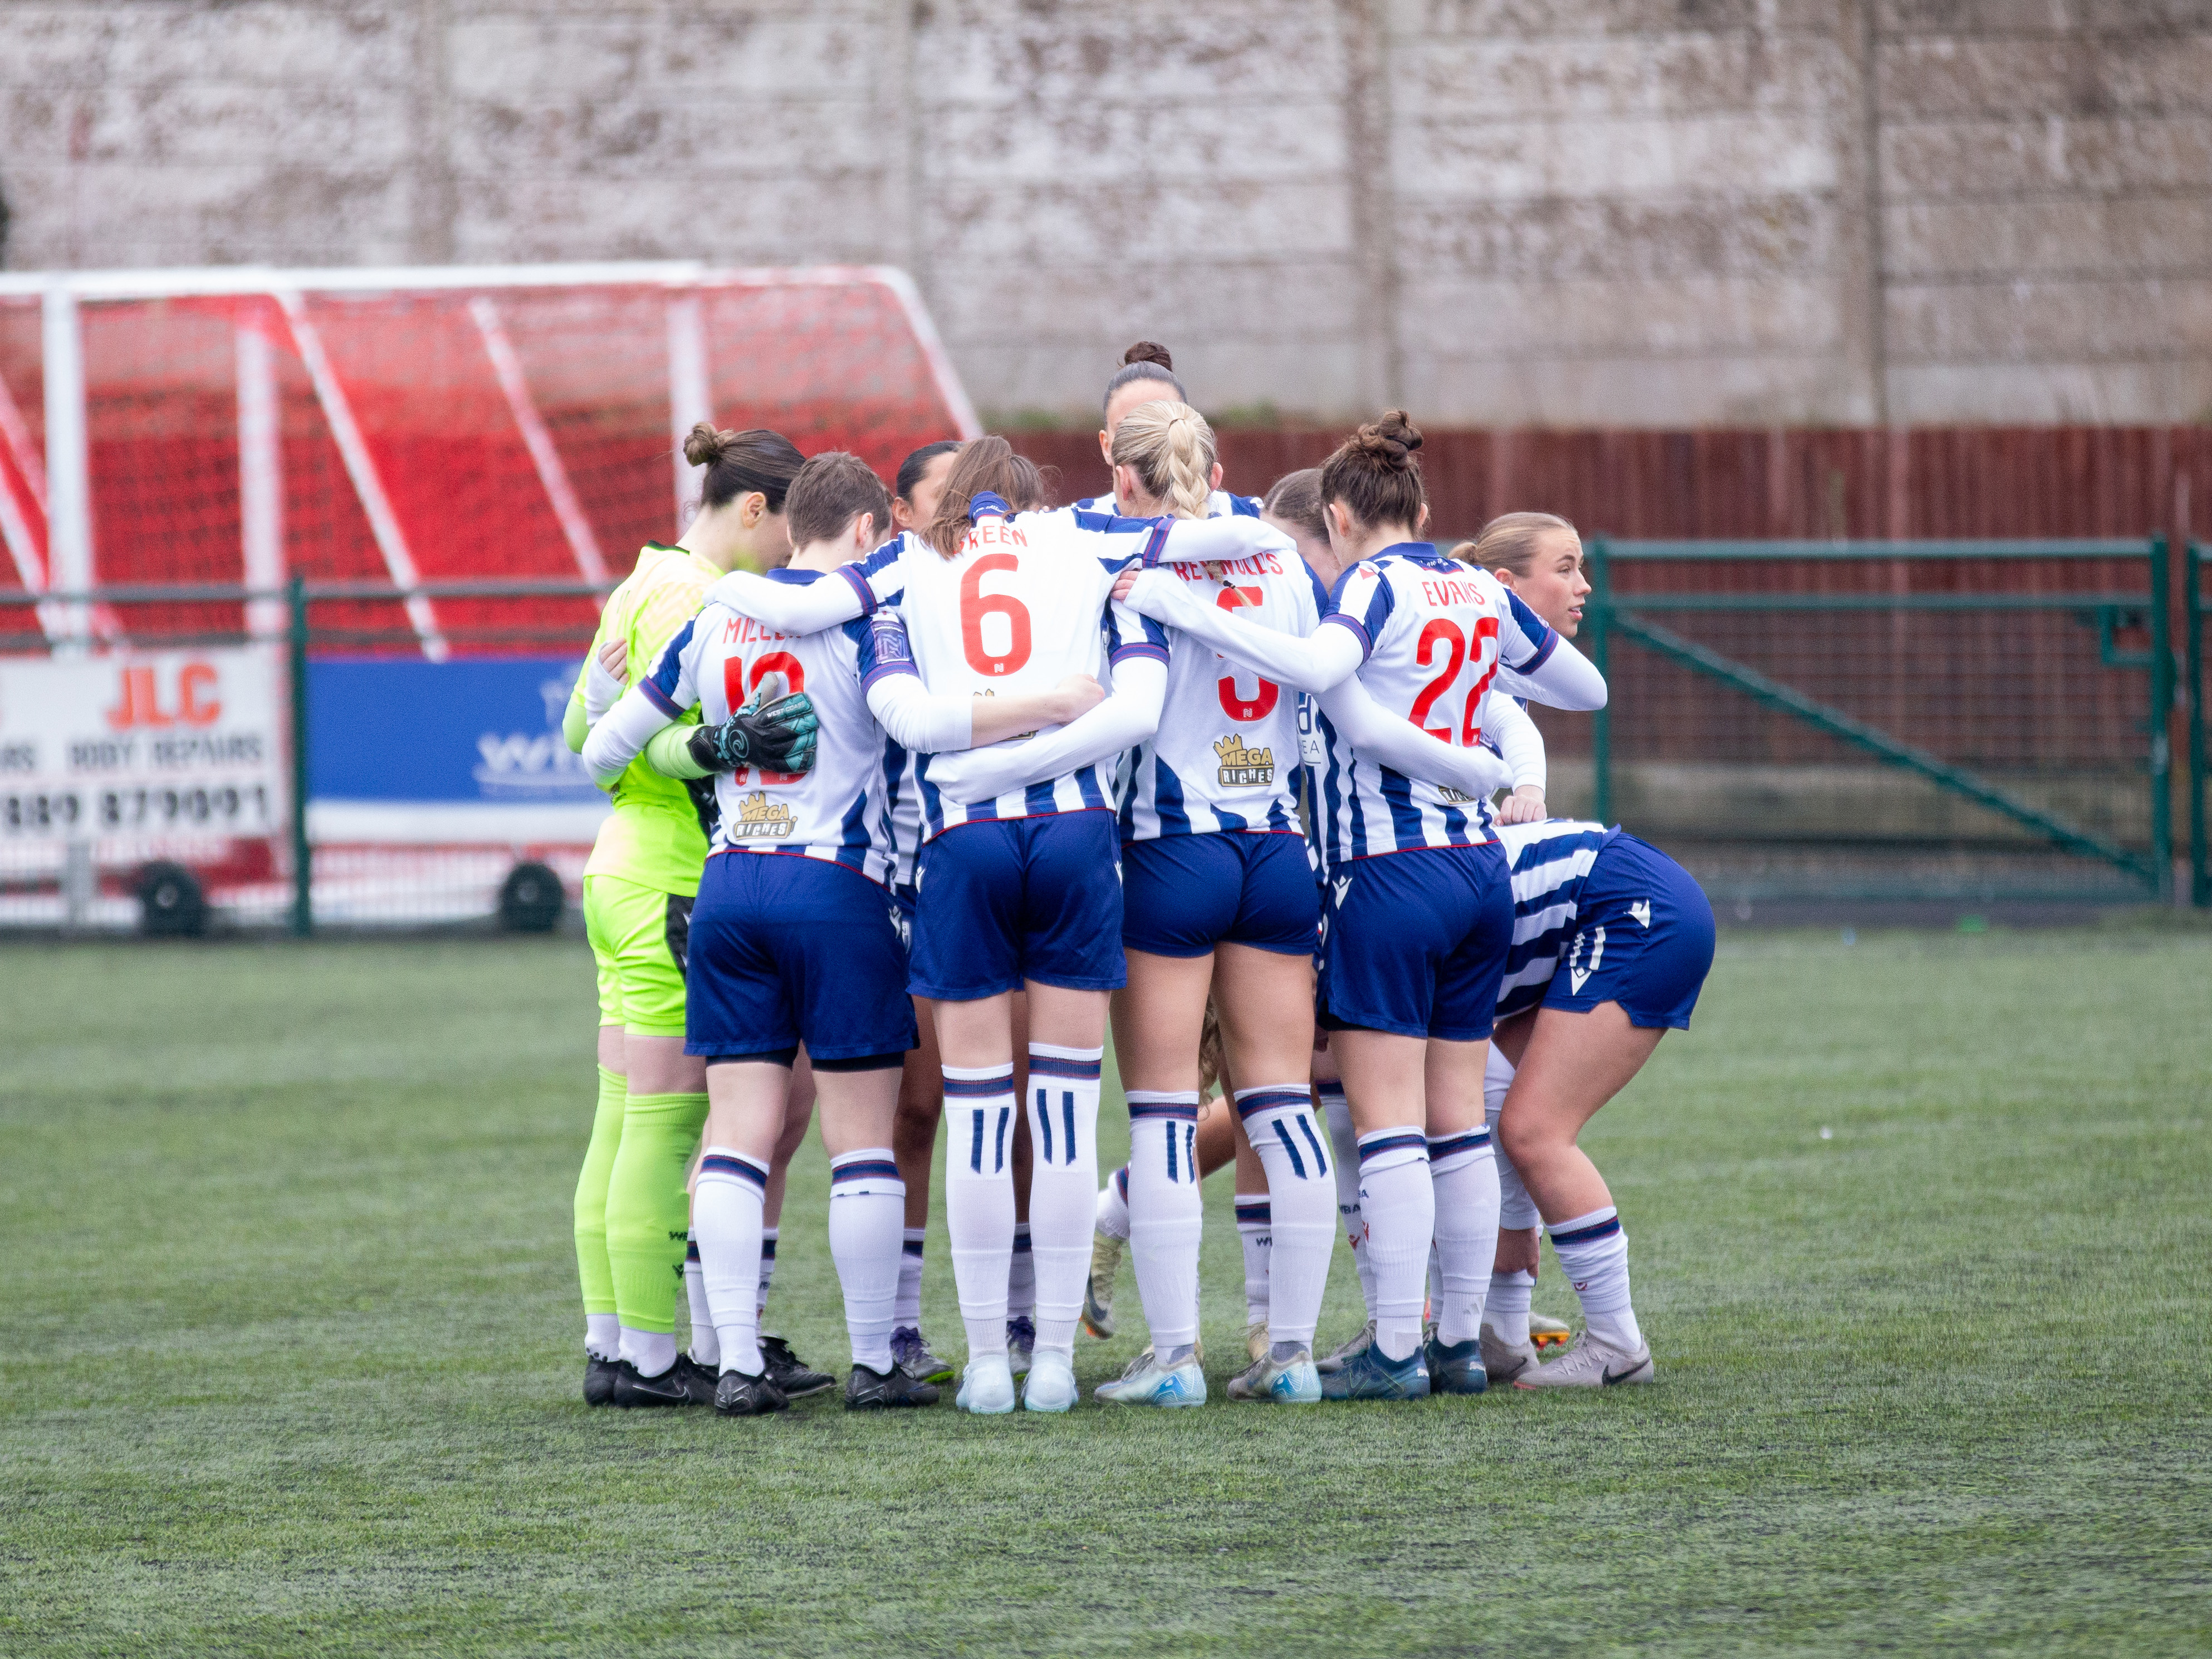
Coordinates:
(647, 1214)
(592, 1269)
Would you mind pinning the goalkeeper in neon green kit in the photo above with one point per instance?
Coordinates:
(631, 1207)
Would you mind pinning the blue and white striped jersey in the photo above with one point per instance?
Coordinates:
(1433, 634)
(1022, 602)
(1227, 754)
(839, 810)
(1222, 502)
(1550, 861)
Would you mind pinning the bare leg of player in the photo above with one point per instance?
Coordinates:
(1574, 1062)
(914, 1146)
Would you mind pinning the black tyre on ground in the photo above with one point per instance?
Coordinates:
(531, 900)
(171, 902)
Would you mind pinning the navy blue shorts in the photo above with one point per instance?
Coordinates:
(1414, 942)
(1014, 899)
(1183, 895)
(1642, 937)
(788, 950)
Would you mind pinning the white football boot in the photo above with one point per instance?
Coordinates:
(1098, 1293)
(1505, 1360)
(1590, 1363)
(1147, 1382)
(1294, 1381)
(1257, 1341)
(1548, 1332)
(1050, 1385)
(986, 1387)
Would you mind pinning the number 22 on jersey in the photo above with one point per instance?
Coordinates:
(1443, 639)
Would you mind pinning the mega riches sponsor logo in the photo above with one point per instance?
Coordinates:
(759, 818)
(1244, 767)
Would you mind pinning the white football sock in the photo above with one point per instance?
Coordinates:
(1466, 1181)
(1021, 1274)
(1301, 1205)
(1399, 1203)
(1166, 1213)
(602, 1336)
(706, 1347)
(1113, 1216)
(1516, 1211)
(979, 1198)
(868, 1217)
(907, 1316)
(1344, 1141)
(726, 1212)
(1252, 1222)
(651, 1351)
(767, 1273)
(1593, 1253)
(1506, 1313)
(1063, 1185)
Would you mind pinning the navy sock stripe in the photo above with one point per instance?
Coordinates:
(1259, 1211)
(875, 1169)
(1298, 1164)
(1054, 1066)
(1306, 1128)
(979, 1088)
(1596, 1230)
(1139, 1111)
(1394, 1143)
(1456, 1144)
(1269, 1100)
(913, 1247)
(716, 1164)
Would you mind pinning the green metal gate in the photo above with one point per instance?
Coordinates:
(1974, 720)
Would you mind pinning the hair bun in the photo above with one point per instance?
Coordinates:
(1148, 351)
(1390, 442)
(702, 444)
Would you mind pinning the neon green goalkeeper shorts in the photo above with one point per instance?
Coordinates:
(639, 936)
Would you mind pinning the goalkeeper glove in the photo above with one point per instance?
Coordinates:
(776, 737)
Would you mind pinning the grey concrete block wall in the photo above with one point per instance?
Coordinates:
(1502, 212)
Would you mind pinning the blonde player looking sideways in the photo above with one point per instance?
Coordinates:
(1021, 890)
(1415, 946)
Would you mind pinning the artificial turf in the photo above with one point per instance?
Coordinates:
(290, 1354)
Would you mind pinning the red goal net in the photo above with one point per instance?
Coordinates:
(425, 426)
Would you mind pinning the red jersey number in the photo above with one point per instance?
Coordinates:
(1262, 701)
(737, 686)
(975, 605)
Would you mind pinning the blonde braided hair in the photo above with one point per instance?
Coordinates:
(1170, 447)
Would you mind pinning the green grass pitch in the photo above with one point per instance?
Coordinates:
(1919, 1233)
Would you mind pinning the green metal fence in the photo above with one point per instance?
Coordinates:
(2193, 610)
(1988, 717)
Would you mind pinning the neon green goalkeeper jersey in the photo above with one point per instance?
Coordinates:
(653, 836)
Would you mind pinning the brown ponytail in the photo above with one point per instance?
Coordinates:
(1295, 498)
(985, 465)
(1376, 474)
(740, 463)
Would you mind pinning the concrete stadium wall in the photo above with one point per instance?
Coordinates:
(1616, 213)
